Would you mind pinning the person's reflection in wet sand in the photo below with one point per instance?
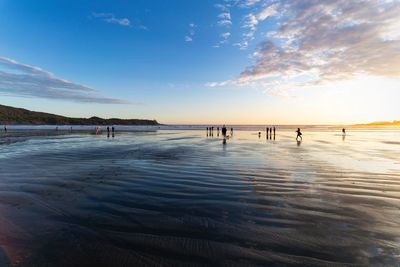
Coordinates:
(298, 142)
(223, 131)
(343, 137)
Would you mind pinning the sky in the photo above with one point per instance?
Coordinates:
(204, 61)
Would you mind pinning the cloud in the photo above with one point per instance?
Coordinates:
(249, 3)
(318, 41)
(225, 35)
(224, 39)
(192, 32)
(110, 18)
(251, 22)
(18, 79)
(224, 19)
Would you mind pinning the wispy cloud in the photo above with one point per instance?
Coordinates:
(111, 18)
(320, 41)
(248, 3)
(190, 35)
(224, 19)
(251, 22)
(224, 39)
(18, 79)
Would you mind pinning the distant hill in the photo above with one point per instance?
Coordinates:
(11, 115)
(379, 123)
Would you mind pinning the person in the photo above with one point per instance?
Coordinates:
(274, 132)
(259, 134)
(231, 131)
(223, 131)
(108, 129)
(5, 128)
(112, 129)
(299, 134)
(344, 131)
(267, 130)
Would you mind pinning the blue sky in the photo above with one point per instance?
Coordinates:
(220, 61)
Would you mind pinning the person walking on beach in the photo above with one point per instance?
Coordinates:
(267, 130)
(223, 131)
(5, 128)
(344, 131)
(299, 134)
(274, 131)
(231, 131)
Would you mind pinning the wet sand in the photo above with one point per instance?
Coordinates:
(179, 198)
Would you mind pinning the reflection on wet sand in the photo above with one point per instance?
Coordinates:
(176, 198)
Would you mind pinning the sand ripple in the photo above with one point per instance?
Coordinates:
(147, 200)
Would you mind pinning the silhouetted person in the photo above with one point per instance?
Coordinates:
(70, 129)
(5, 128)
(344, 131)
(266, 130)
(223, 131)
(113, 130)
(299, 134)
(270, 133)
(108, 129)
(231, 131)
(274, 130)
(259, 134)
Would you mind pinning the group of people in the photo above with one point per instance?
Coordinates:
(210, 131)
(112, 131)
(269, 131)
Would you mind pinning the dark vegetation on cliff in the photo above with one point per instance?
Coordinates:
(11, 115)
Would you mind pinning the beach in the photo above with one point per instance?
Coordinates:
(177, 197)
